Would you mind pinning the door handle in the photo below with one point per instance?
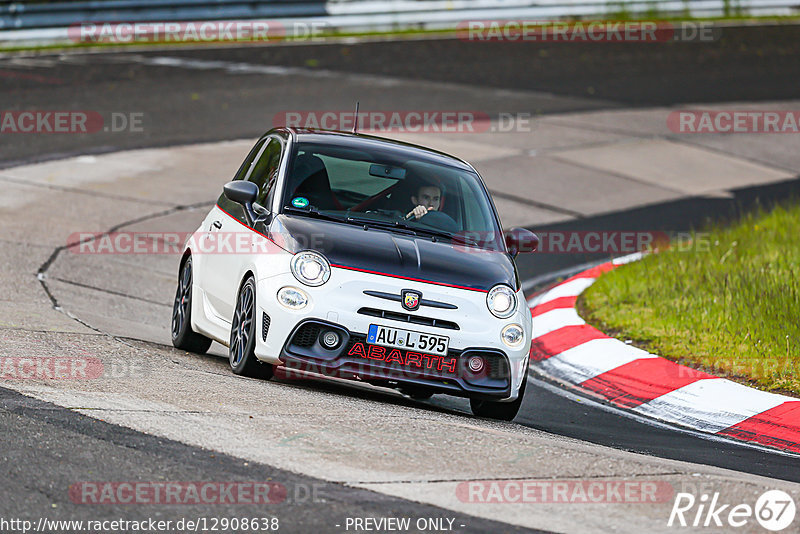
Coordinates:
(217, 224)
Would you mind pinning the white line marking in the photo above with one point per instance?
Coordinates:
(636, 256)
(533, 301)
(555, 319)
(591, 359)
(573, 288)
(710, 405)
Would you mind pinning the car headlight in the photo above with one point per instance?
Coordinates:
(293, 298)
(513, 335)
(311, 268)
(501, 301)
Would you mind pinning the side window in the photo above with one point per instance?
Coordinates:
(230, 207)
(265, 170)
(244, 170)
(475, 217)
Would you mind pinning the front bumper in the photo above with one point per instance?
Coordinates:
(353, 359)
(343, 305)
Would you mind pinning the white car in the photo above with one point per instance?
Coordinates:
(360, 257)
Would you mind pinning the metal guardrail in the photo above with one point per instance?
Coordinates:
(16, 16)
(40, 24)
(24, 16)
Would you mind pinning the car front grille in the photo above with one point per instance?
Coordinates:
(497, 366)
(354, 338)
(408, 318)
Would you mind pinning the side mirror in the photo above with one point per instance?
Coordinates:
(521, 240)
(244, 193)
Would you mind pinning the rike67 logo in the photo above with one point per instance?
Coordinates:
(774, 510)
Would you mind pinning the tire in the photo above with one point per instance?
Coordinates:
(183, 337)
(241, 349)
(503, 411)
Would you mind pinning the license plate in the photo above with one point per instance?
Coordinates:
(397, 338)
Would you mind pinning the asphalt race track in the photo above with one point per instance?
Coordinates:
(175, 416)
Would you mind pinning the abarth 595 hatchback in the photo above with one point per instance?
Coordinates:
(363, 258)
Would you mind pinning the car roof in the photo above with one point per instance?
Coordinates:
(351, 140)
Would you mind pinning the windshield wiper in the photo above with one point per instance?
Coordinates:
(447, 235)
(389, 225)
(432, 232)
(314, 212)
(311, 211)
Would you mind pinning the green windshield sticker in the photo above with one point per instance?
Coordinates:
(300, 202)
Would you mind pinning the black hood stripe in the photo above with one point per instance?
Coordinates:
(358, 269)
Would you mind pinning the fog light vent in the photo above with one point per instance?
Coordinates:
(265, 320)
(306, 335)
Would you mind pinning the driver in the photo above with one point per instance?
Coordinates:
(426, 198)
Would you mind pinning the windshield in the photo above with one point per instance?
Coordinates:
(379, 187)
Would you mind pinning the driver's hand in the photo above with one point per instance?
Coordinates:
(417, 212)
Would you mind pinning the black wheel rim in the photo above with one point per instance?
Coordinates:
(180, 308)
(240, 329)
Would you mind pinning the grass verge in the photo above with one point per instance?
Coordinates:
(729, 306)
